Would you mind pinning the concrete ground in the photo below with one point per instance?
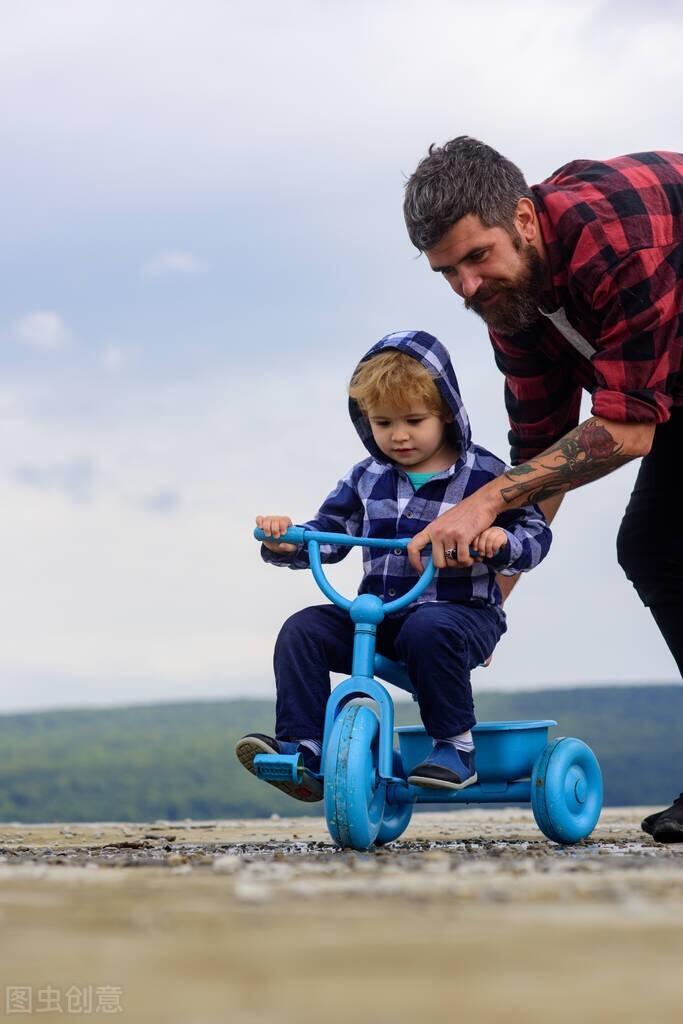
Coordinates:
(471, 916)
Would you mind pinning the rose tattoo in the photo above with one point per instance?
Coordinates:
(585, 454)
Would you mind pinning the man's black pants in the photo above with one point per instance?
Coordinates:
(650, 540)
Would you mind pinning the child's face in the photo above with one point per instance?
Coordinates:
(413, 438)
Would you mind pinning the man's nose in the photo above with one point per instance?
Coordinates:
(469, 284)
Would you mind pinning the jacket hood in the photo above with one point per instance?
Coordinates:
(431, 354)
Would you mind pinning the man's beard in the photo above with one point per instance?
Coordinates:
(516, 305)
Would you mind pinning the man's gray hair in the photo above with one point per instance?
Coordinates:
(463, 176)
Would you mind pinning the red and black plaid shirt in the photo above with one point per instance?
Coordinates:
(613, 231)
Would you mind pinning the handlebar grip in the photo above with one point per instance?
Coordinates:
(294, 535)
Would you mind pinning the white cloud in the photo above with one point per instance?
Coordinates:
(42, 330)
(163, 502)
(73, 478)
(114, 358)
(172, 262)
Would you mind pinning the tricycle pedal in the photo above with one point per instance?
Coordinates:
(279, 767)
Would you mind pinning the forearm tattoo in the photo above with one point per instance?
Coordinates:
(586, 453)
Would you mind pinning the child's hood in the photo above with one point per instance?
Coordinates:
(428, 351)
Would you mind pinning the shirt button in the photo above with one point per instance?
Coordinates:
(409, 515)
(391, 593)
(398, 551)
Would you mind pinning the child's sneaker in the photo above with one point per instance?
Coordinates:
(445, 768)
(309, 789)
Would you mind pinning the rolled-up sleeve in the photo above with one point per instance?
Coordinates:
(638, 362)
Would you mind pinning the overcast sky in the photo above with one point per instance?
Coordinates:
(202, 233)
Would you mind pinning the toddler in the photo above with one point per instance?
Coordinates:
(405, 404)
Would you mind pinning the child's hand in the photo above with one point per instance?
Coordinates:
(489, 542)
(274, 526)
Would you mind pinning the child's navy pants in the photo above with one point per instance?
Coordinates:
(440, 643)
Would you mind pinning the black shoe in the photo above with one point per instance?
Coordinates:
(648, 824)
(309, 789)
(668, 825)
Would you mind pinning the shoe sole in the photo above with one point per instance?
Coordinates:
(309, 789)
(418, 780)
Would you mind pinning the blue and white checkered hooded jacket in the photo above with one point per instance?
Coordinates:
(376, 499)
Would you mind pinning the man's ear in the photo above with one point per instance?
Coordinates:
(526, 220)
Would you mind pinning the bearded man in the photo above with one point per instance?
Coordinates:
(580, 282)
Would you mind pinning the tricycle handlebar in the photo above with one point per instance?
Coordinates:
(314, 538)
(299, 535)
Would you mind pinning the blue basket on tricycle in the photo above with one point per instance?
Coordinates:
(367, 798)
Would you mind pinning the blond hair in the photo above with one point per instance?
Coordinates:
(395, 379)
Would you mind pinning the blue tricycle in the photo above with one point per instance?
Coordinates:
(368, 800)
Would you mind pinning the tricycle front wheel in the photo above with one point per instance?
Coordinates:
(566, 790)
(355, 797)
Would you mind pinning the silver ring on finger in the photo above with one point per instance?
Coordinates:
(452, 554)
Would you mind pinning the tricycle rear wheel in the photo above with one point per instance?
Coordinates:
(566, 790)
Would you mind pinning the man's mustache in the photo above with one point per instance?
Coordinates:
(483, 294)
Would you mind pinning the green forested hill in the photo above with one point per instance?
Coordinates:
(175, 761)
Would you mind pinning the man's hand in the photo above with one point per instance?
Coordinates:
(274, 526)
(455, 530)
